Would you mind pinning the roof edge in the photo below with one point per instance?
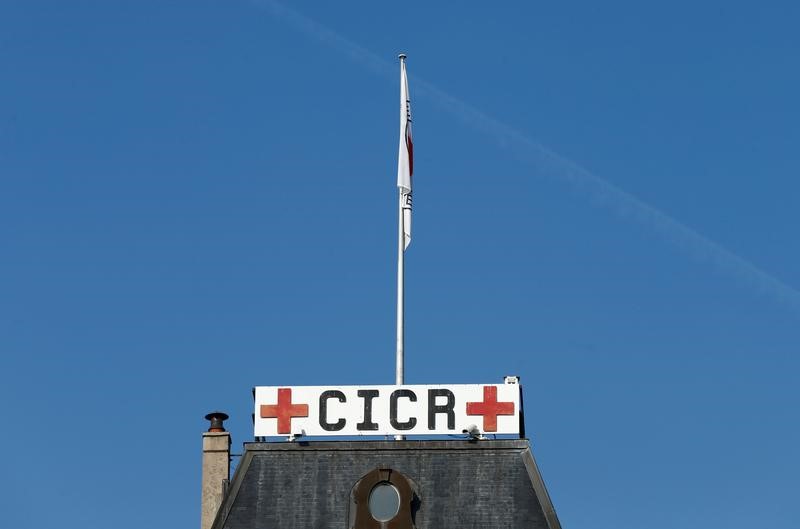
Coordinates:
(540, 489)
(391, 445)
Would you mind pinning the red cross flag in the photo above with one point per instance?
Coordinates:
(388, 410)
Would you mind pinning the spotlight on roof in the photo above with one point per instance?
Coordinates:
(296, 436)
(473, 432)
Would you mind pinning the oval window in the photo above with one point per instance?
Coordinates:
(384, 501)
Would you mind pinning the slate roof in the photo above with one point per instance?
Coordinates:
(460, 484)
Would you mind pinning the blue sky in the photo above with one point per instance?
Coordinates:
(199, 197)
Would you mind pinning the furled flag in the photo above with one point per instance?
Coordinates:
(405, 159)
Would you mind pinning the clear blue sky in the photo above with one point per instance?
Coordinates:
(197, 197)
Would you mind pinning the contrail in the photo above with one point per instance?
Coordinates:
(599, 190)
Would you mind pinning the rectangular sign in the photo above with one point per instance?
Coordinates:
(387, 410)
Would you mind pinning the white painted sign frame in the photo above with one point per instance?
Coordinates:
(383, 410)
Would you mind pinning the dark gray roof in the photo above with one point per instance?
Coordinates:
(461, 484)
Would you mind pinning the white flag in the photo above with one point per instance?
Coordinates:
(405, 157)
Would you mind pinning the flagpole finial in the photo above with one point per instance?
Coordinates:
(402, 56)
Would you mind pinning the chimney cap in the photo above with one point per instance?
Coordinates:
(216, 418)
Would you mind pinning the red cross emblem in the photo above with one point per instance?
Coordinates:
(284, 410)
(490, 408)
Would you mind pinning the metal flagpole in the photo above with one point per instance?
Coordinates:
(404, 185)
(400, 292)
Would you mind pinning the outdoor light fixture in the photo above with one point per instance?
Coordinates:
(473, 432)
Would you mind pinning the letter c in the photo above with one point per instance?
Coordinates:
(323, 410)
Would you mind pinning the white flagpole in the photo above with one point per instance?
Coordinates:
(404, 170)
(400, 291)
(401, 246)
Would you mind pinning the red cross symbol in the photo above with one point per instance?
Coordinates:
(490, 408)
(284, 410)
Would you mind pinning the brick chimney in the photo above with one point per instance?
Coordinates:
(216, 467)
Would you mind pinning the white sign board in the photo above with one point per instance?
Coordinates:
(387, 410)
